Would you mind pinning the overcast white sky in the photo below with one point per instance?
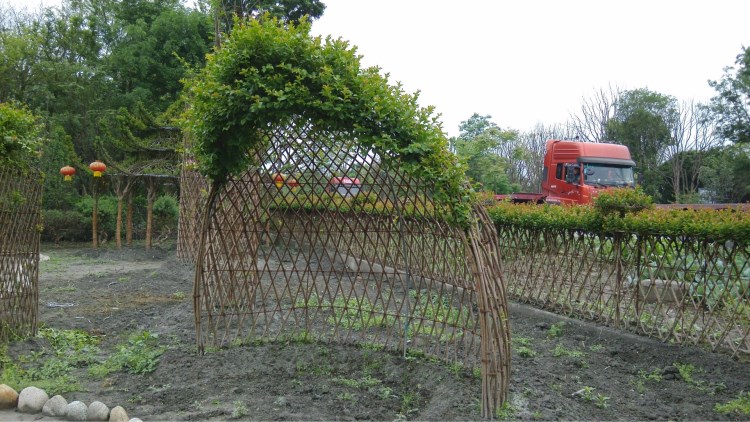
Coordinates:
(533, 61)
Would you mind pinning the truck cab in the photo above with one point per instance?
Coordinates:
(575, 172)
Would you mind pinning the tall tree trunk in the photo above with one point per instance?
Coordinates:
(118, 226)
(122, 187)
(151, 196)
(129, 220)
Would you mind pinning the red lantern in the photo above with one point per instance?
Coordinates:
(98, 168)
(278, 180)
(68, 172)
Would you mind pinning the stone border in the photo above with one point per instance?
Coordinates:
(33, 400)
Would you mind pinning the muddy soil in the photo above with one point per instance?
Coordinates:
(562, 369)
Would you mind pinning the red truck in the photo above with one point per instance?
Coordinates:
(575, 172)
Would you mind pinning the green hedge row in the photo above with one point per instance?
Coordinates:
(628, 211)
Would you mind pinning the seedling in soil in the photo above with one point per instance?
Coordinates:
(587, 393)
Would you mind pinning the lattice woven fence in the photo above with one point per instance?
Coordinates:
(20, 203)
(193, 194)
(324, 241)
(672, 288)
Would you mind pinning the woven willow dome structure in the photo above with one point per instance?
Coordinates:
(325, 222)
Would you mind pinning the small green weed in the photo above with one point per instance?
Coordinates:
(477, 372)
(522, 346)
(644, 377)
(346, 396)
(239, 410)
(686, 371)
(561, 350)
(587, 393)
(739, 406)
(556, 330)
(654, 375)
(596, 348)
(409, 402)
(456, 368)
(385, 393)
(506, 412)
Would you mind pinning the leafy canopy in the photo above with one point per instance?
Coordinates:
(731, 107)
(270, 74)
(19, 136)
(478, 147)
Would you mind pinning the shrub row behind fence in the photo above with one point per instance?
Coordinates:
(684, 289)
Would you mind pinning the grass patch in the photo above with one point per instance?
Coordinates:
(556, 330)
(523, 346)
(51, 368)
(360, 314)
(738, 407)
(364, 382)
(645, 377)
(139, 355)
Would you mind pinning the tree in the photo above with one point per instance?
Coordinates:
(158, 46)
(724, 173)
(731, 107)
(642, 122)
(529, 155)
(693, 135)
(225, 11)
(590, 125)
(478, 146)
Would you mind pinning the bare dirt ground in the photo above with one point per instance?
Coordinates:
(562, 369)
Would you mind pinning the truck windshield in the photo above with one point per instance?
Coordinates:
(597, 174)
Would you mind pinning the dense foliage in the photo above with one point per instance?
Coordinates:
(477, 147)
(19, 136)
(269, 74)
(731, 105)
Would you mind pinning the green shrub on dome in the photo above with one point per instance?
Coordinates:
(270, 74)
